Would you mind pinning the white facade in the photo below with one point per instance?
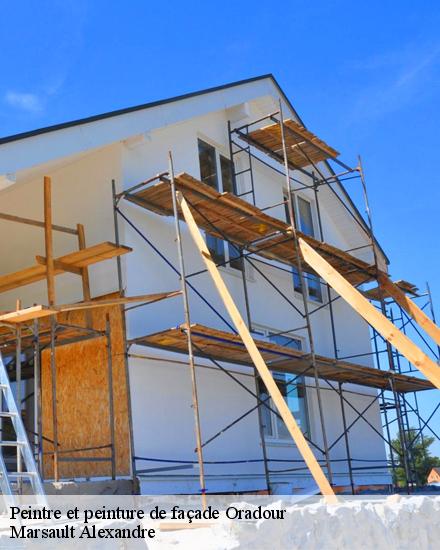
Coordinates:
(132, 147)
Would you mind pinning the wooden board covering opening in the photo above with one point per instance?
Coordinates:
(83, 399)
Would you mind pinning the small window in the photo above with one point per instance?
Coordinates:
(227, 175)
(305, 217)
(208, 164)
(314, 285)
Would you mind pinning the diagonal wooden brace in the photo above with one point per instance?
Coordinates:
(410, 307)
(376, 319)
(266, 376)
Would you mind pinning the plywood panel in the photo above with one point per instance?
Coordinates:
(83, 400)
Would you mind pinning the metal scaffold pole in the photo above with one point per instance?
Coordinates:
(335, 347)
(293, 224)
(195, 399)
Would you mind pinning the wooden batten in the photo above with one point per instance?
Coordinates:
(83, 399)
(410, 307)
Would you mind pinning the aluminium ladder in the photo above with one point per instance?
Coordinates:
(9, 480)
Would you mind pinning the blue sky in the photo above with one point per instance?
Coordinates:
(364, 76)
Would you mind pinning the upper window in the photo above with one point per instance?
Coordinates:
(216, 171)
(208, 164)
(305, 216)
(304, 213)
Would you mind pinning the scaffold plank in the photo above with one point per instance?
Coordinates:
(303, 147)
(227, 347)
(225, 215)
(78, 259)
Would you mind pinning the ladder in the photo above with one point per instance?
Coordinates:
(11, 482)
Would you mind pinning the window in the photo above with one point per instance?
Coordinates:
(293, 391)
(208, 164)
(216, 171)
(304, 216)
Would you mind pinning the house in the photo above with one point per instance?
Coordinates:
(132, 417)
(434, 476)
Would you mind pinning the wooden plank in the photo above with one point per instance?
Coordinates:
(410, 307)
(48, 241)
(226, 215)
(360, 304)
(27, 314)
(59, 266)
(228, 347)
(38, 311)
(80, 258)
(302, 145)
(146, 298)
(255, 354)
(84, 270)
(35, 223)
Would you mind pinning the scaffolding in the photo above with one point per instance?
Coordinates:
(265, 243)
(261, 241)
(28, 332)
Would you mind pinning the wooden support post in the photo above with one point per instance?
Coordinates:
(111, 412)
(50, 269)
(376, 319)
(50, 278)
(410, 307)
(84, 270)
(84, 273)
(256, 356)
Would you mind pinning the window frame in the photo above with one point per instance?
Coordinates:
(274, 437)
(228, 259)
(307, 275)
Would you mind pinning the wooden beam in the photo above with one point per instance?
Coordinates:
(360, 304)
(36, 223)
(50, 269)
(35, 312)
(256, 356)
(410, 307)
(84, 270)
(85, 274)
(79, 258)
(146, 298)
(59, 266)
(26, 314)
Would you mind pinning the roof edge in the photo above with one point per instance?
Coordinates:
(133, 109)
